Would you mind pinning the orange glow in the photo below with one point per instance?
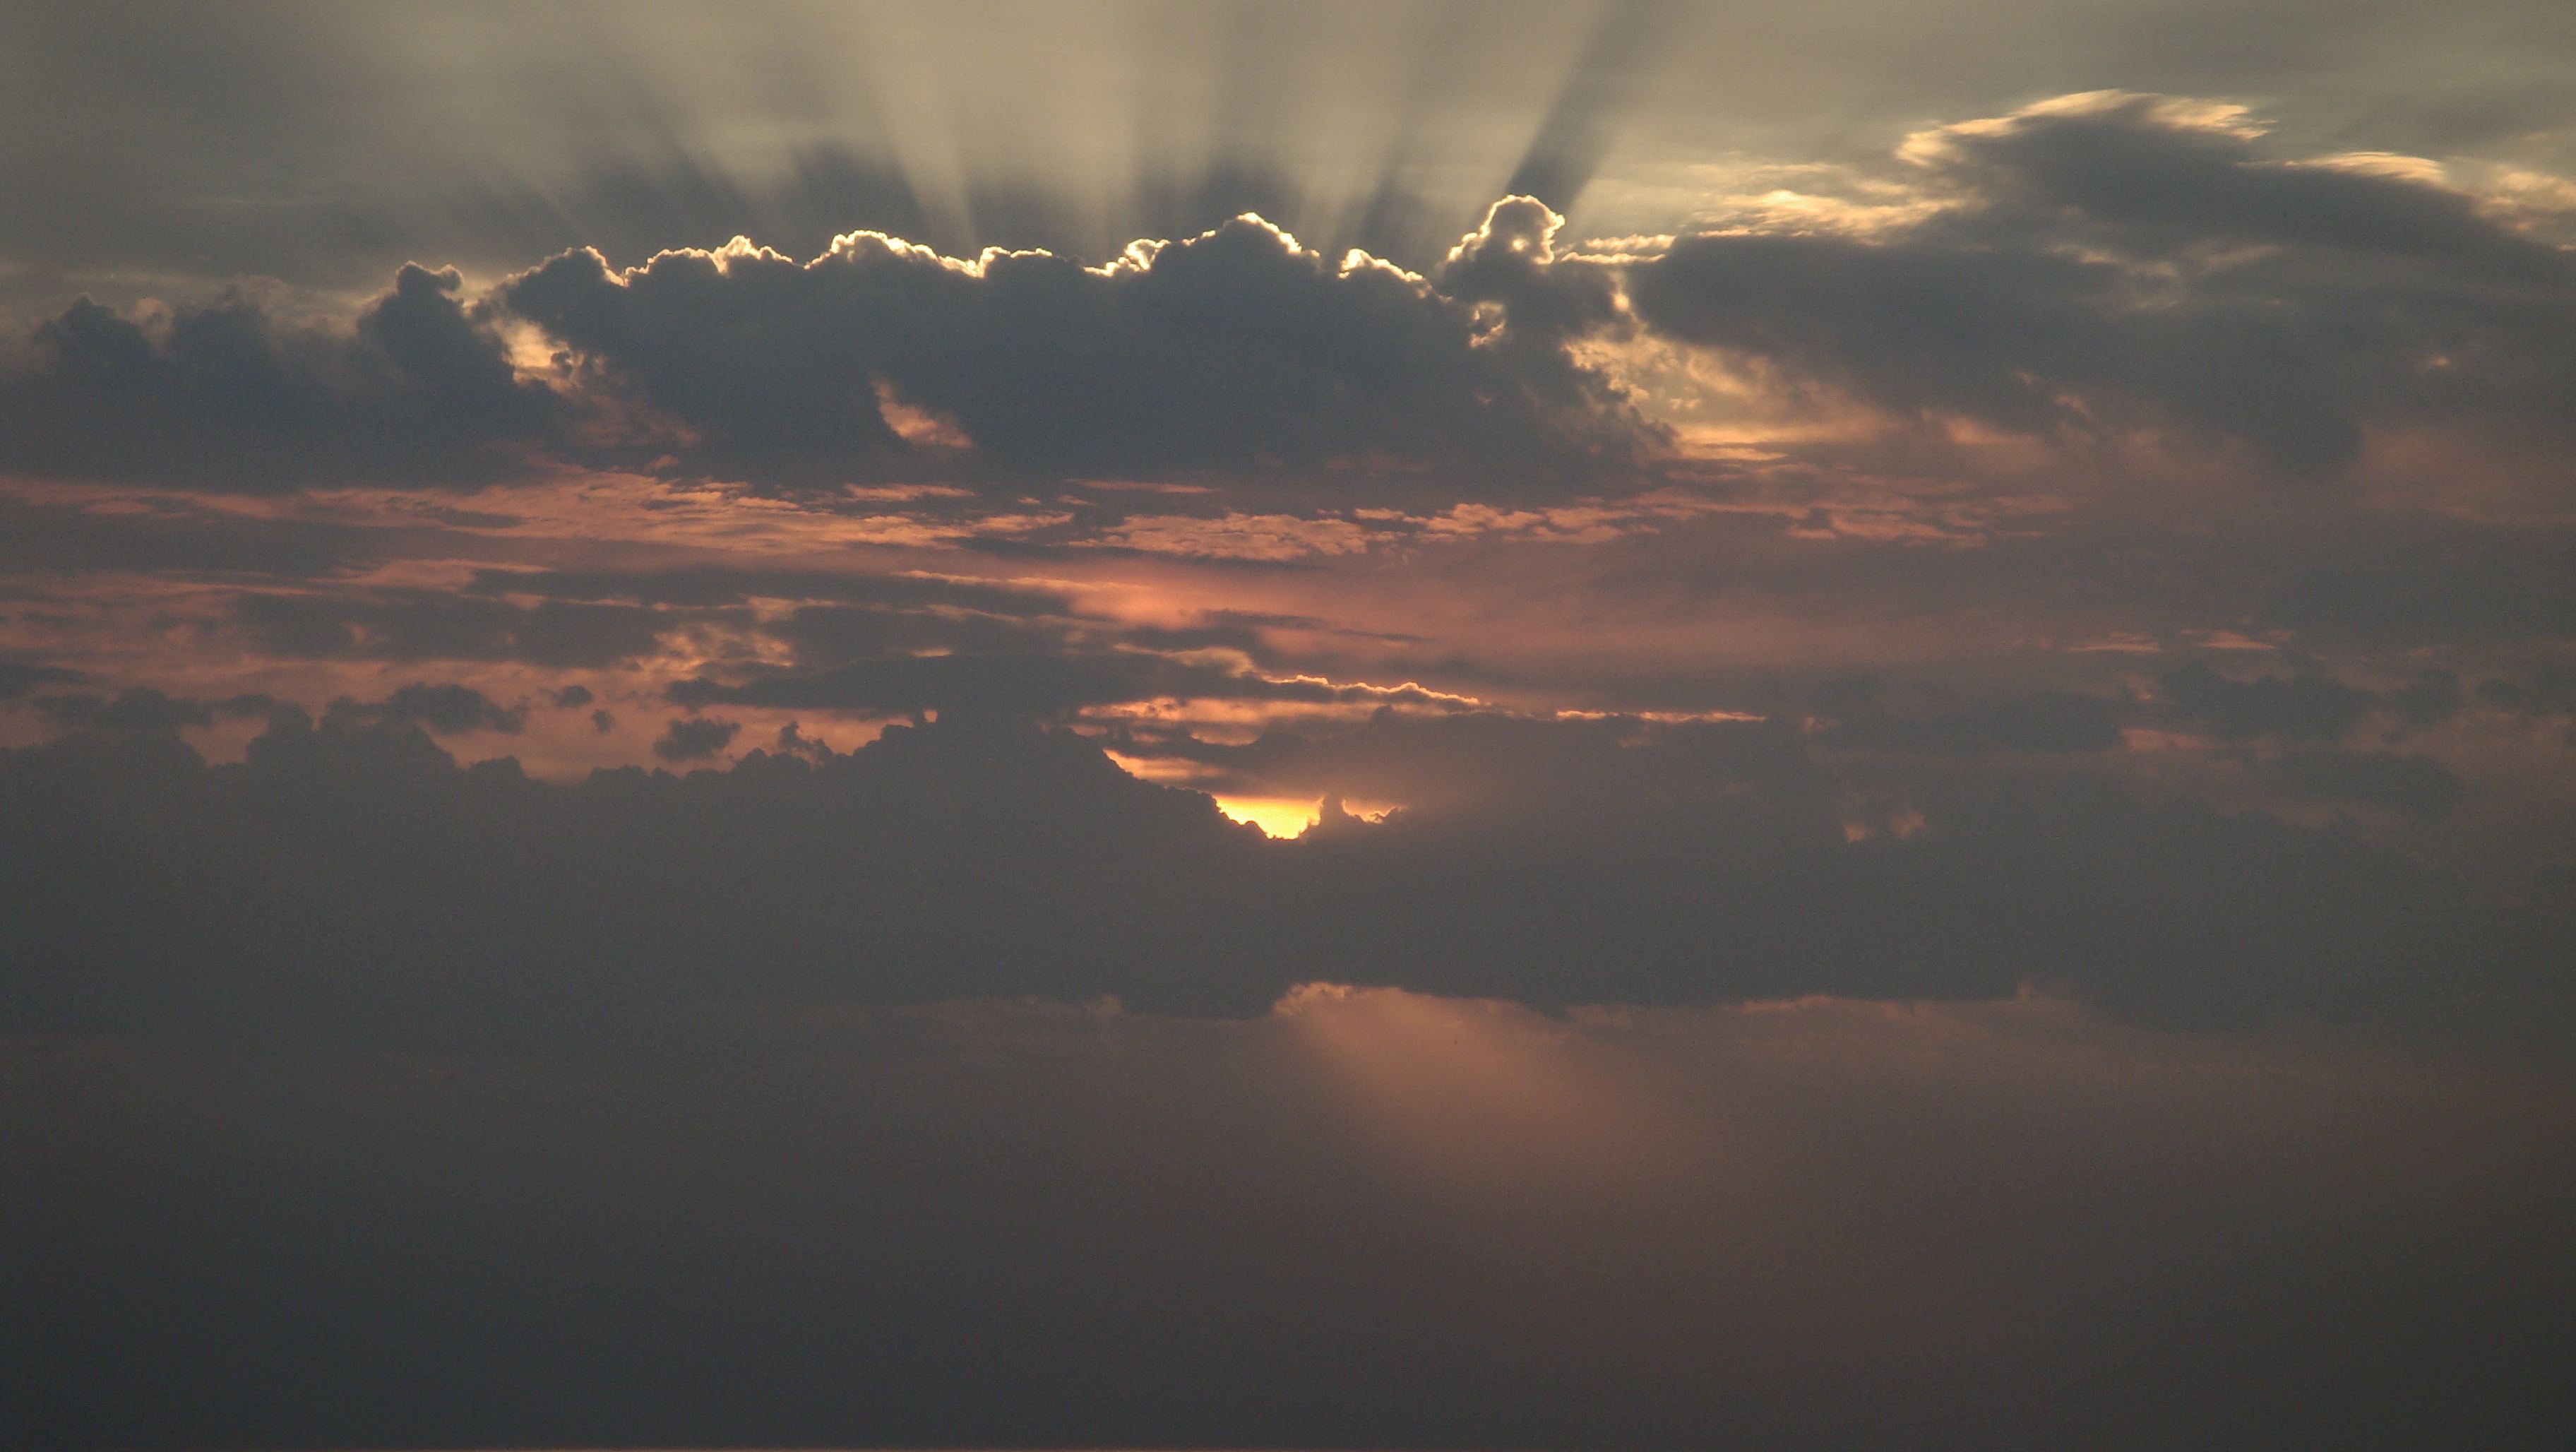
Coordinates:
(1280, 817)
(1286, 817)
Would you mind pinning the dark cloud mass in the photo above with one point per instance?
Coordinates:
(2123, 254)
(351, 868)
(1237, 349)
(225, 396)
(439, 626)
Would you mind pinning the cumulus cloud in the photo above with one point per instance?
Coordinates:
(1237, 349)
(2110, 263)
(226, 397)
(695, 738)
(446, 709)
(2089, 271)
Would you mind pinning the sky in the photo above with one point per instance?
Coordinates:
(1288, 725)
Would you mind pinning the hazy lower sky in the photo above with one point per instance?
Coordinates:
(1443, 725)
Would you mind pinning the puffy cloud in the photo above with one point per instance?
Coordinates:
(225, 397)
(695, 738)
(446, 709)
(1236, 349)
(2109, 263)
(2089, 271)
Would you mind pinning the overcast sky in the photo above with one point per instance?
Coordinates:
(1440, 725)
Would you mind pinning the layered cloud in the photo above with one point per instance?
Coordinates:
(351, 876)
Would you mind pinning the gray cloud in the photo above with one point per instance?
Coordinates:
(225, 397)
(1552, 863)
(429, 625)
(19, 678)
(2414, 784)
(2309, 705)
(446, 709)
(1234, 350)
(2131, 262)
(695, 738)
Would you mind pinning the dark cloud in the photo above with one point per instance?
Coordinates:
(695, 738)
(2431, 698)
(2413, 784)
(1552, 863)
(225, 397)
(429, 625)
(569, 697)
(2441, 586)
(445, 709)
(1232, 350)
(2546, 690)
(18, 678)
(2042, 721)
(174, 537)
(141, 709)
(2130, 261)
(2308, 705)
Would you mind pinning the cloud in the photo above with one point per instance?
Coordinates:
(431, 625)
(695, 738)
(2307, 706)
(714, 585)
(1609, 861)
(2042, 721)
(446, 709)
(1233, 350)
(1024, 684)
(2109, 263)
(19, 678)
(2100, 272)
(224, 397)
(139, 710)
(2413, 784)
